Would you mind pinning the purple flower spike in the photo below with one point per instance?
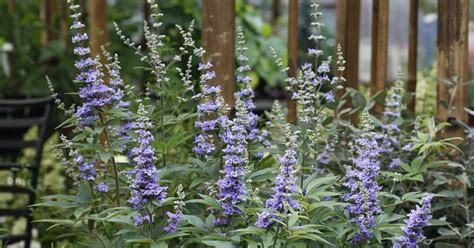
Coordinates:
(144, 184)
(361, 181)
(102, 187)
(413, 229)
(175, 218)
(231, 187)
(285, 185)
(94, 93)
(211, 113)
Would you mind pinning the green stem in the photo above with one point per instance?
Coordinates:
(100, 239)
(276, 236)
(302, 171)
(162, 112)
(114, 165)
(151, 224)
(466, 204)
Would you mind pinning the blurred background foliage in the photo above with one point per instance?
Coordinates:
(31, 58)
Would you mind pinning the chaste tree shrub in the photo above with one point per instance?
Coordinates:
(177, 167)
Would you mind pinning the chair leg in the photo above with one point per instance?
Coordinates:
(28, 242)
(29, 230)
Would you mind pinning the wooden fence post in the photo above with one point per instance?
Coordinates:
(48, 10)
(453, 69)
(98, 32)
(292, 54)
(276, 13)
(379, 48)
(347, 35)
(218, 39)
(412, 52)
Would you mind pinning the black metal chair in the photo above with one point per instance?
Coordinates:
(17, 117)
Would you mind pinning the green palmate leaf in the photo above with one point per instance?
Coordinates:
(327, 204)
(438, 222)
(121, 219)
(85, 191)
(327, 180)
(172, 236)
(392, 229)
(58, 222)
(159, 245)
(378, 235)
(195, 221)
(263, 174)
(141, 240)
(416, 164)
(79, 211)
(406, 167)
(311, 228)
(416, 176)
(389, 195)
(105, 156)
(59, 204)
(219, 244)
(249, 230)
(293, 219)
(412, 196)
(206, 200)
(311, 236)
(67, 123)
(178, 139)
(387, 218)
(446, 245)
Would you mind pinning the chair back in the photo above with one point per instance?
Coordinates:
(16, 118)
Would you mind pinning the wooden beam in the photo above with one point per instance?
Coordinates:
(11, 6)
(48, 10)
(292, 54)
(64, 24)
(453, 69)
(412, 52)
(347, 35)
(379, 48)
(98, 32)
(218, 39)
(276, 13)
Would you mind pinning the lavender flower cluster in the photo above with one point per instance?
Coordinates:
(361, 181)
(246, 94)
(175, 218)
(285, 185)
(413, 229)
(390, 136)
(211, 112)
(144, 182)
(95, 93)
(232, 186)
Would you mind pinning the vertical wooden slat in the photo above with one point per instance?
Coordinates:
(347, 35)
(379, 48)
(98, 25)
(47, 12)
(292, 53)
(276, 13)
(11, 6)
(64, 24)
(218, 38)
(453, 70)
(44, 16)
(412, 52)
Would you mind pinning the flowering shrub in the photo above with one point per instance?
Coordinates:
(320, 182)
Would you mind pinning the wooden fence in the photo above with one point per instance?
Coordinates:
(452, 43)
(218, 38)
